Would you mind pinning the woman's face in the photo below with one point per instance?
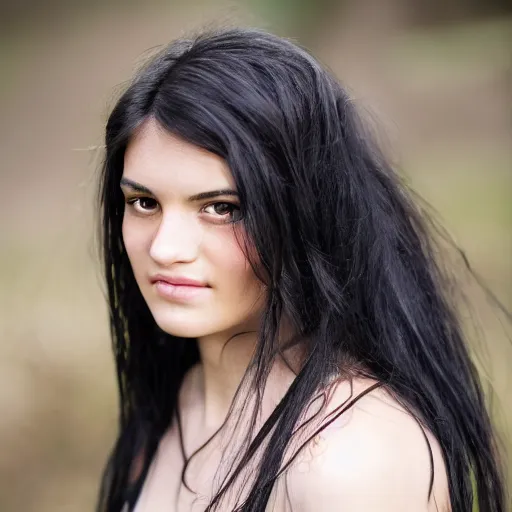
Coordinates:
(178, 224)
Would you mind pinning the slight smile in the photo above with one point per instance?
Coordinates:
(179, 288)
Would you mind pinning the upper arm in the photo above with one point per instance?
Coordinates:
(377, 460)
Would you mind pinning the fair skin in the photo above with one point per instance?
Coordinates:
(374, 458)
(166, 232)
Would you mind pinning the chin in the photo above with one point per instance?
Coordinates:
(184, 325)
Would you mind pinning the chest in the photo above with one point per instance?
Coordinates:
(164, 490)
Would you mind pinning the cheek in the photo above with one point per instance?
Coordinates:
(134, 241)
(231, 267)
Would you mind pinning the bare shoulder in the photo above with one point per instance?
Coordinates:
(374, 457)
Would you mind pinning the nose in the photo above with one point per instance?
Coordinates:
(176, 240)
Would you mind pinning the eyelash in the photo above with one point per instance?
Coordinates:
(133, 204)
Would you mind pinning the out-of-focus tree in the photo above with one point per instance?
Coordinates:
(446, 11)
(304, 19)
(14, 12)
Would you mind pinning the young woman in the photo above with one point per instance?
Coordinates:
(281, 329)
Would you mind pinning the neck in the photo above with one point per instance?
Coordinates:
(224, 361)
(223, 364)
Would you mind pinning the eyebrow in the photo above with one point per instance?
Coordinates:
(137, 187)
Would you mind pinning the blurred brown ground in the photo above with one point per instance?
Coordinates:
(439, 94)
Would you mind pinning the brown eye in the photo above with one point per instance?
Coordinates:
(223, 208)
(143, 205)
(225, 211)
(147, 203)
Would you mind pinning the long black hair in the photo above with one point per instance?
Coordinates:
(342, 246)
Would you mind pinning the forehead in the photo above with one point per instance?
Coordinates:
(160, 160)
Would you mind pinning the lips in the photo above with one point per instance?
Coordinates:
(178, 281)
(180, 289)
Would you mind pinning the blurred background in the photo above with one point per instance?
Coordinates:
(433, 77)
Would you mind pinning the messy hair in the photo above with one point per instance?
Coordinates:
(341, 244)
